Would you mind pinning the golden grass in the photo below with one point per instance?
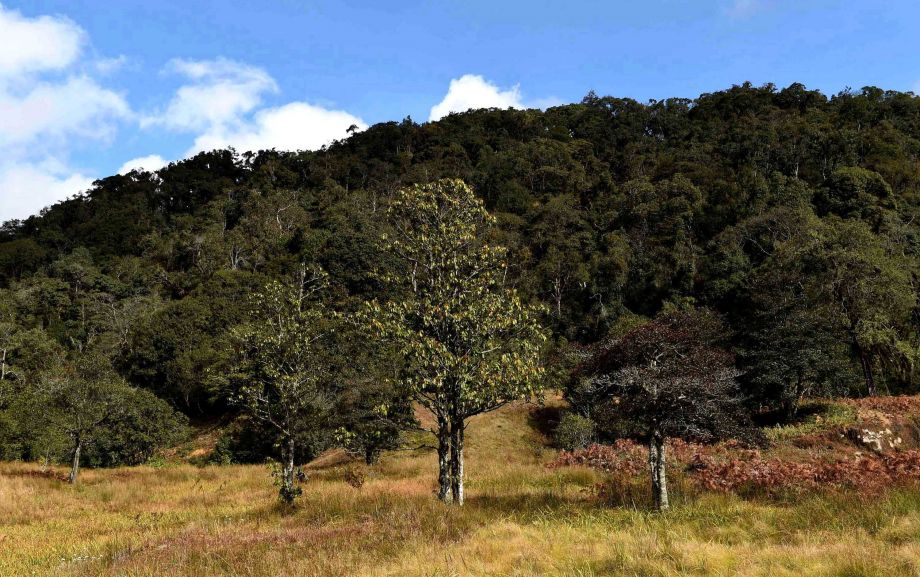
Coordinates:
(521, 519)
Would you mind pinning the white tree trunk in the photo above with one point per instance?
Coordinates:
(75, 465)
(656, 462)
(444, 460)
(456, 457)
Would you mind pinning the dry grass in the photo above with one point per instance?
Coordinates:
(521, 519)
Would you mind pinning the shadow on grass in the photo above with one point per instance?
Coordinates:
(528, 505)
(49, 474)
(545, 419)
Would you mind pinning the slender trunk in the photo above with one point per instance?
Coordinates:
(656, 462)
(864, 360)
(443, 460)
(867, 372)
(287, 474)
(456, 458)
(75, 466)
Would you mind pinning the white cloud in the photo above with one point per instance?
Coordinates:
(472, 91)
(220, 92)
(294, 126)
(47, 107)
(27, 188)
(77, 106)
(109, 65)
(222, 104)
(36, 44)
(150, 163)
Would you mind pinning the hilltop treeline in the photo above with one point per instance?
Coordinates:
(791, 214)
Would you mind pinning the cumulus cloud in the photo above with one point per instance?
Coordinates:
(150, 163)
(36, 44)
(219, 93)
(26, 188)
(46, 108)
(74, 106)
(294, 126)
(472, 91)
(222, 104)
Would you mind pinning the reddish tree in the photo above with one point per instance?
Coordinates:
(671, 378)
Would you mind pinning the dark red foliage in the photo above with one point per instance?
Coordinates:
(728, 467)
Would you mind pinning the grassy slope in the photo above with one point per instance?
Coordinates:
(521, 519)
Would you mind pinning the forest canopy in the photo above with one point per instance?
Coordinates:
(790, 215)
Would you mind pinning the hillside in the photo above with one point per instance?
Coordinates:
(790, 213)
(522, 517)
(730, 281)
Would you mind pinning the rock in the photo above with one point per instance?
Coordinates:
(880, 441)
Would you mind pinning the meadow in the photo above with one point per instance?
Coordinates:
(521, 518)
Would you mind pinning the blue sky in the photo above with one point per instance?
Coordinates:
(88, 87)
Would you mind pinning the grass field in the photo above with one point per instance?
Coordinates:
(521, 518)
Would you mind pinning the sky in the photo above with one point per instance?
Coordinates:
(90, 88)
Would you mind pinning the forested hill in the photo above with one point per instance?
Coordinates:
(791, 213)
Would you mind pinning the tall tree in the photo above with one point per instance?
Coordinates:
(470, 342)
(872, 294)
(283, 364)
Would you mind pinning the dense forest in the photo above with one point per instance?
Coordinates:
(789, 215)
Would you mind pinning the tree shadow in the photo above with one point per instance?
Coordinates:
(545, 419)
(528, 504)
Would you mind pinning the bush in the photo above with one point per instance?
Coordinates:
(355, 475)
(248, 441)
(145, 425)
(574, 432)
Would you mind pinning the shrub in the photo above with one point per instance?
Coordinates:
(574, 432)
(355, 475)
(250, 441)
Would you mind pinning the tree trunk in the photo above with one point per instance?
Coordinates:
(371, 455)
(287, 473)
(444, 454)
(864, 360)
(656, 462)
(867, 372)
(456, 458)
(75, 466)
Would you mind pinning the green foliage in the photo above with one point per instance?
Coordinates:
(468, 339)
(79, 409)
(818, 416)
(794, 215)
(573, 432)
(247, 440)
(283, 364)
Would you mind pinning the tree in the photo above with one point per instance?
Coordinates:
(283, 364)
(94, 408)
(84, 395)
(670, 377)
(373, 408)
(470, 343)
(871, 292)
